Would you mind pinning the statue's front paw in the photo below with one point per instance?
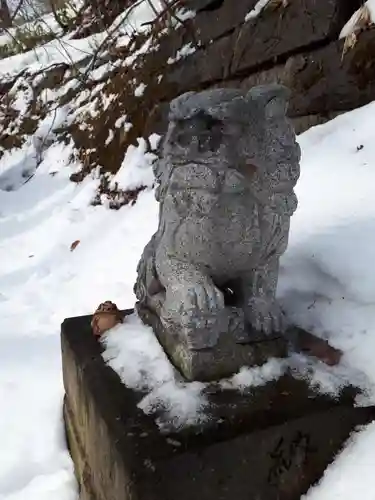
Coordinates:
(197, 309)
(192, 299)
(265, 315)
(201, 316)
(204, 297)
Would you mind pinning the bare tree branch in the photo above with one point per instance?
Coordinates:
(167, 9)
(57, 17)
(16, 10)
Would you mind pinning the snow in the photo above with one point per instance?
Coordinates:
(36, 10)
(327, 276)
(257, 376)
(133, 351)
(327, 285)
(350, 477)
(57, 51)
(139, 90)
(110, 137)
(71, 51)
(185, 51)
(136, 168)
(254, 13)
(44, 23)
(371, 6)
(350, 26)
(121, 122)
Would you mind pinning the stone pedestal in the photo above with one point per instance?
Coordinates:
(270, 443)
(222, 360)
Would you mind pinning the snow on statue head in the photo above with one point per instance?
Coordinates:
(226, 175)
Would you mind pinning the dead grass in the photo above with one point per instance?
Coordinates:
(114, 196)
(98, 109)
(24, 39)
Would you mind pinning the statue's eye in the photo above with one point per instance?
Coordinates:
(183, 138)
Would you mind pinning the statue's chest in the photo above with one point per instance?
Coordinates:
(200, 192)
(211, 212)
(220, 223)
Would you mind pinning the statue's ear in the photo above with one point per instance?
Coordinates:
(177, 107)
(273, 98)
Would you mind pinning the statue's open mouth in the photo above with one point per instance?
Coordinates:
(251, 168)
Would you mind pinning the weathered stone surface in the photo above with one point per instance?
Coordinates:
(273, 35)
(269, 443)
(299, 110)
(202, 67)
(226, 181)
(273, 75)
(280, 31)
(276, 74)
(227, 358)
(323, 82)
(224, 359)
(213, 20)
(208, 25)
(212, 24)
(326, 81)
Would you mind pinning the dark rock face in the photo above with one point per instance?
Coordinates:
(295, 45)
(323, 83)
(301, 23)
(273, 36)
(327, 80)
(277, 33)
(270, 443)
(218, 48)
(212, 24)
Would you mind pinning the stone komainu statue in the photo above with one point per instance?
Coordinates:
(226, 175)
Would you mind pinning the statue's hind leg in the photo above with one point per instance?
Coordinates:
(258, 294)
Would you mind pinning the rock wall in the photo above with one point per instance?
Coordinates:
(293, 42)
(121, 95)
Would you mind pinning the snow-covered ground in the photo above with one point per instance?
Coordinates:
(362, 17)
(70, 51)
(34, 18)
(327, 283)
